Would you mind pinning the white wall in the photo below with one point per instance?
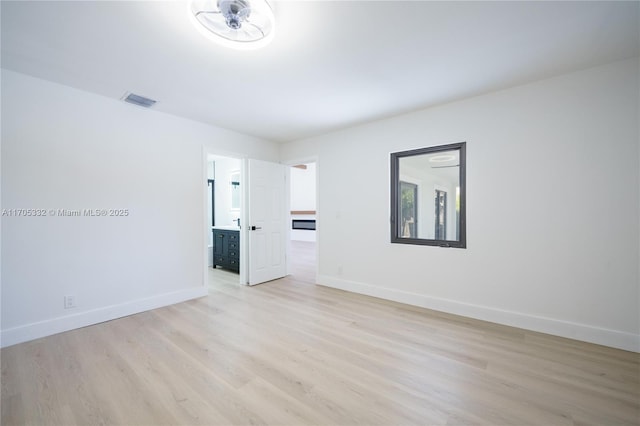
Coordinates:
(67, 149)
(552, 207)
(303, 187)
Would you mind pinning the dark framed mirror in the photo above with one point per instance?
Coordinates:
(428, 196)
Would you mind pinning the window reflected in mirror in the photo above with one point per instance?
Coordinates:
(428, 196)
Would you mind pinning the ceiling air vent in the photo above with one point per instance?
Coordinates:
(132, 98)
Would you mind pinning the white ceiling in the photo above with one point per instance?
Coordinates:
(332, 64)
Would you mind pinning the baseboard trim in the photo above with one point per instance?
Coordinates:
(40, 329)
(576, 331)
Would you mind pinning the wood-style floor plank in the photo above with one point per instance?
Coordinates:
(289, 352)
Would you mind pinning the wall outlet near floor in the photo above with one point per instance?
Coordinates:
(69, 301)
(339, 269)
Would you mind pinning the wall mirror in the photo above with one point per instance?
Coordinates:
(428, 196)
(235, 190)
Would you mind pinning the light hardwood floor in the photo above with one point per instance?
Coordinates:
(292, 353)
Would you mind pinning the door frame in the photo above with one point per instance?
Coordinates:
(206, 151)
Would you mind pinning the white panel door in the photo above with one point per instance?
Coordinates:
(267, 221)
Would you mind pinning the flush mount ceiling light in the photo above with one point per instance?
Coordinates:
(239, 24)
(442, 158)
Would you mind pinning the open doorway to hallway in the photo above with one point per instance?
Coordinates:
(303, 233)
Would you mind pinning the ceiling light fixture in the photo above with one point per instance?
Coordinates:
(239, 24)
(443, 158)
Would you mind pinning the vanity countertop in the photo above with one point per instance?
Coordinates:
(226, 228)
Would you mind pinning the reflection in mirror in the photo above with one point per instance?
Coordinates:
(235, 190)
(428, 196)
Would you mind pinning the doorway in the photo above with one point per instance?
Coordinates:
(247, 224)
(303, 223)
(223, 218)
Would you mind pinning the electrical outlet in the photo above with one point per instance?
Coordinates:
(69, 301)
(339, 269)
